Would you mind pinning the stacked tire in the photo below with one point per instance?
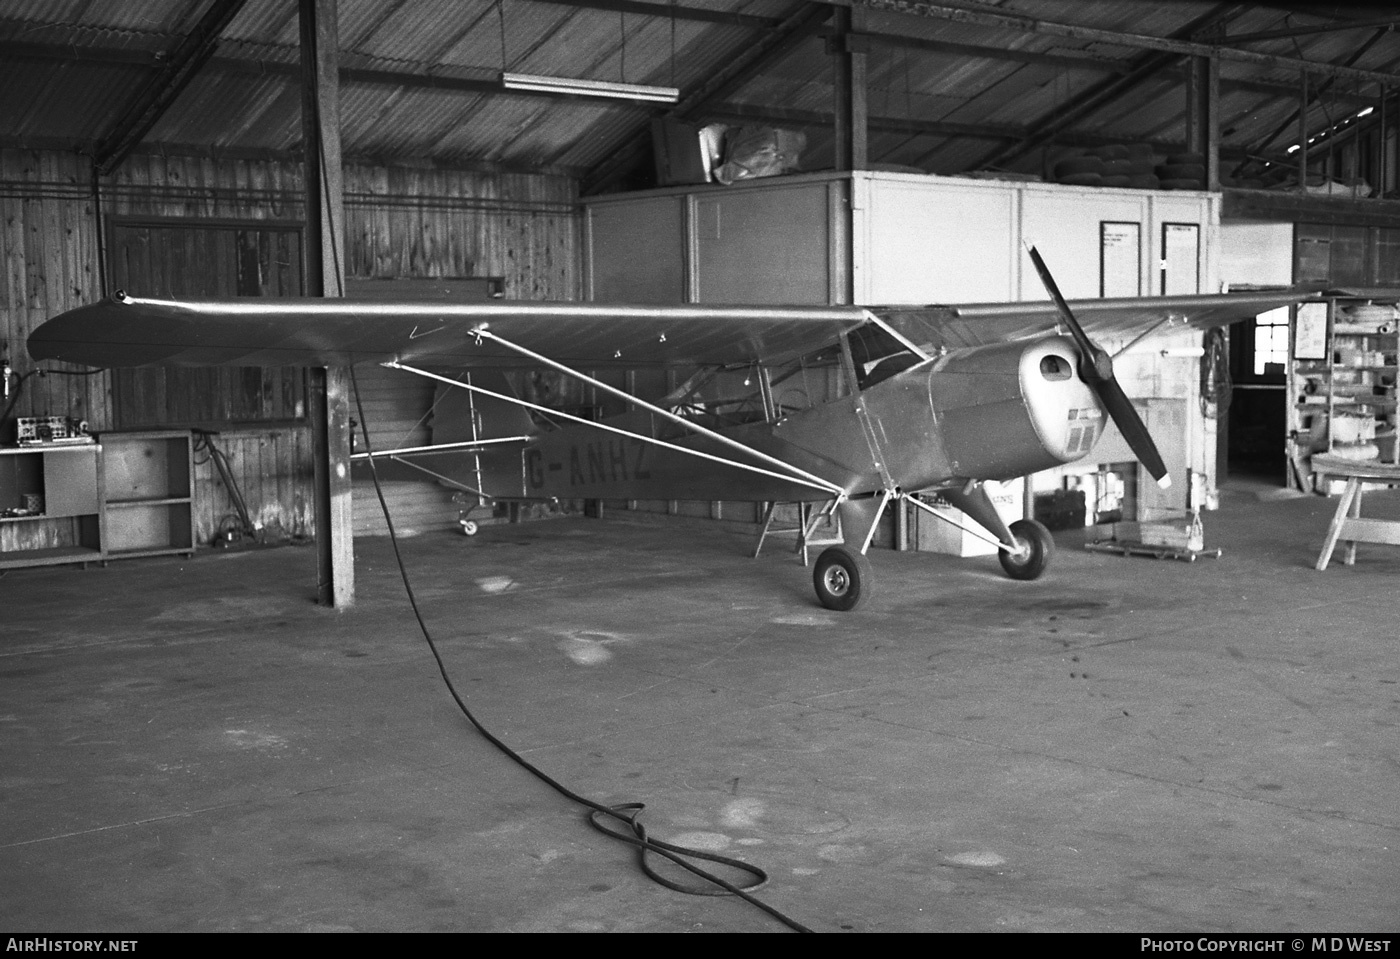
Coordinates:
(1184, 171)
(1130, 166)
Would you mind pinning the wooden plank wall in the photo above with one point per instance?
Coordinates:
(446, 223)
(49, 252)
(49, 248)
(396, 407)
(272, 470)
(173, 260)
(428, 222)
(399, 222)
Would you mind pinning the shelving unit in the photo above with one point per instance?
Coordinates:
(58, 487)
(130, 495)
(147, 484)
(1342, 383)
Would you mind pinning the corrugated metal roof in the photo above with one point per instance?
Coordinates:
(944, 95)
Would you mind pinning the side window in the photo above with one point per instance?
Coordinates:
(877, 355)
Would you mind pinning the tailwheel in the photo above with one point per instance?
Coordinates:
(842, 578)
(1035, 549)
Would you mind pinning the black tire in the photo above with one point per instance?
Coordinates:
(1083, 179)
(1181, 171)
(1111, 151)
(1039, 548)
(1078, 166)
(842, 578)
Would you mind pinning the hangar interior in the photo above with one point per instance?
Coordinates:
(208, 727)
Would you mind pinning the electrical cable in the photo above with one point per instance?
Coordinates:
(625, 813)
(1216, 386)
(19, 384)
(204, 439)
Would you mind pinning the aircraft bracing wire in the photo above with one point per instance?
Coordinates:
(465, 445)
(811, 478)
(966, 528)
(445, 480)
(789, 478)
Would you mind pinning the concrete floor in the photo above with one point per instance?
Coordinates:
(1124, 745)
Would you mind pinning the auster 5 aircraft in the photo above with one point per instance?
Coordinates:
(915, 399)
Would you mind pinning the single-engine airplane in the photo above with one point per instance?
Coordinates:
(850, 408)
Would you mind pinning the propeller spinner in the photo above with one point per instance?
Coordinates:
(1096, 369)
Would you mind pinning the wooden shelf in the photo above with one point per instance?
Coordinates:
(155, 501)
(64, 478)
(50, 556)
(131, 495)
(1347, 394)
(147, 505)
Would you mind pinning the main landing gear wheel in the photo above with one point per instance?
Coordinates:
(1036, 548)
(842, 578)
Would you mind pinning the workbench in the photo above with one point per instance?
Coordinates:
(1347, 523)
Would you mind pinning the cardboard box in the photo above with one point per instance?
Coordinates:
(1182, 534)
(932, 535)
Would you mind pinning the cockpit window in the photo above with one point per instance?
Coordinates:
(877, 355)
(1055, 368)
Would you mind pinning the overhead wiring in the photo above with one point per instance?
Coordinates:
(19, 384)
(620, 821)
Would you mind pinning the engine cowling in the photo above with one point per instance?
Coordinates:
(997, 411)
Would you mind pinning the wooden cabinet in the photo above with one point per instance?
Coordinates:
(147, 484)
(130, 495)
(49, 508)
(1341, 382)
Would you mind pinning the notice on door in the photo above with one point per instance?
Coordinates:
(1120, 259)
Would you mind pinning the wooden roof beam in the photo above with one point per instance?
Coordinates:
(1176, 44)
(1086, 103)
(150, 102)
(668, 11)
(1007, 133)
(1313, 95)
(803, 20)
(1331, 26)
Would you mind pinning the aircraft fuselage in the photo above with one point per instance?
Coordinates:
(990, 413)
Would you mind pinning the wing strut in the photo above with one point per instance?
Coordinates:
(811, 478)
(816, 481)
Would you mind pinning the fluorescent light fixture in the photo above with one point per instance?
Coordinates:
(1364, 112)
(589, 88)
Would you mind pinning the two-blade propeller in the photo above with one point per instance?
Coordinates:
(1096, 369)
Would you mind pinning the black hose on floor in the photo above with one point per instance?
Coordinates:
(634, 834)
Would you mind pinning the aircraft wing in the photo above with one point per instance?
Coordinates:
(254, 331)
(957, 327)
